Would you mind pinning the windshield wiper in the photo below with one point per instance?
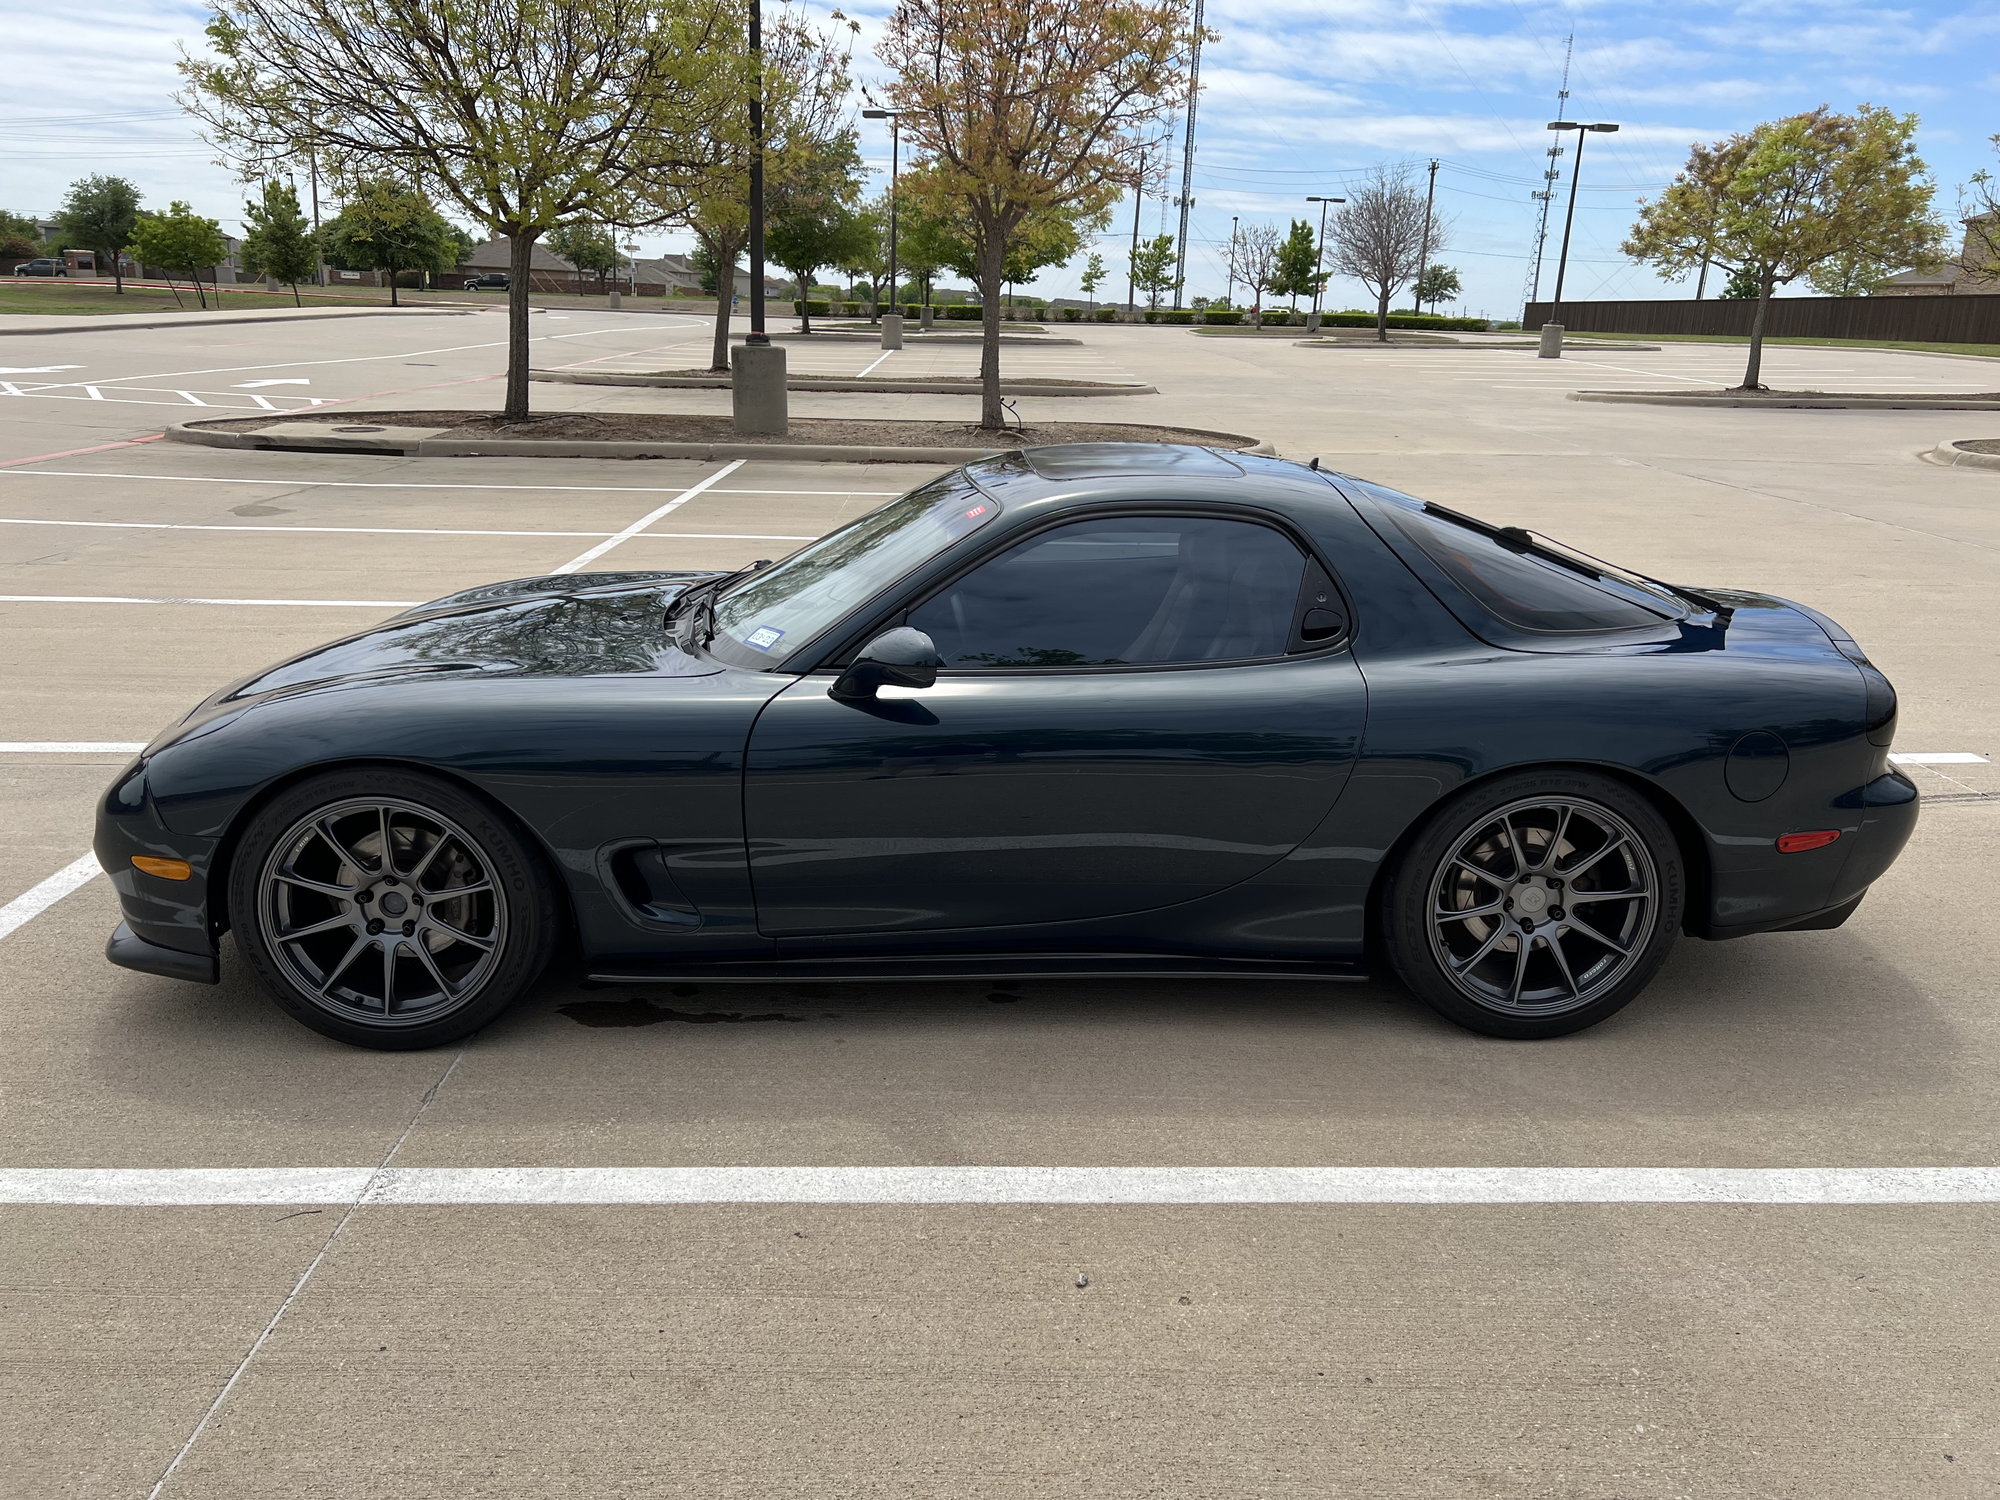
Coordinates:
(707, 591)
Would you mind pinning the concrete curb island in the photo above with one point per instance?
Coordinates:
(1952, 456)
(720, 382)
(210, 435)
(1776, 402)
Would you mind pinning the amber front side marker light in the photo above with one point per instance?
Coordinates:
(166, 869)
(1798, 843)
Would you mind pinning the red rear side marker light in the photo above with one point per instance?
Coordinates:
(1798, 843)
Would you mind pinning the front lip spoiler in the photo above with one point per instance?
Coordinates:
(130, 951)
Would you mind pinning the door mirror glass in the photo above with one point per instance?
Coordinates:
(900, 658)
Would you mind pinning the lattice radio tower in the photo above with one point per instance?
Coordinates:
(1532, 292)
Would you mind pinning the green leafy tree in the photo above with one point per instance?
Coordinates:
(523, 114)
(101, 212)
(386, 226)
(587, 246)
(1153, 268)
(816, 218)
(1296, 273)
(1093, 278)
(179, 240)
(1830, 199)
(1025, 110)
(278, 240)
(1437, 284)
(1745, 284)
(17, 237)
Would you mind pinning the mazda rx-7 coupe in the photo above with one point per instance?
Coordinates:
(1100, 709)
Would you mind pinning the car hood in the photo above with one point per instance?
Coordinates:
(578, 625)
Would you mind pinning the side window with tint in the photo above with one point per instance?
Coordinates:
(1129, 591)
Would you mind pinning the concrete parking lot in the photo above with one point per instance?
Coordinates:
(305, 1346)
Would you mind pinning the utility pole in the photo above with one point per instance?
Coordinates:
(1186, 199)
(1132, 266)
(1230, 295)
(1424, 256)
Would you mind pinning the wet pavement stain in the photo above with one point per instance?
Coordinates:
(638, 1011)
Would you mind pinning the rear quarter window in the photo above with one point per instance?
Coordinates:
(1520, 590)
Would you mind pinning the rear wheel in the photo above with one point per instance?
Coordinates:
(1535, 905)
(389, 909)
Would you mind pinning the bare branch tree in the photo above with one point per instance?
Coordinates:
(1253, 260)
(1378, 238)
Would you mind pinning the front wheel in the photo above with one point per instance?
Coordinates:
(389, 909)
(1535, 905)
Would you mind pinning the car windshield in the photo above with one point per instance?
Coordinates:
(763, 621)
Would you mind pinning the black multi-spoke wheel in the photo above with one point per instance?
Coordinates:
(1537, 905)
(389, 909)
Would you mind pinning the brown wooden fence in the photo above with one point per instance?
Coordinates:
(1969, 319)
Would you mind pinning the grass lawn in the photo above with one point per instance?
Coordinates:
(1990, 351)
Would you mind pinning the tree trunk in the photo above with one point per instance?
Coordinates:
(520, 261)
(1753, 373)
(118, 271)
(295, 295)
(992, 260)
(805, 293)
(392, 288)
(725, 293)
(1382, 316)
(194, 272)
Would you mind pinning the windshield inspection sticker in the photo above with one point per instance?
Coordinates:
(764, 637)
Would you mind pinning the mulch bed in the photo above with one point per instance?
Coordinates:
(667, 427)
(1981, 445)
(704, 373)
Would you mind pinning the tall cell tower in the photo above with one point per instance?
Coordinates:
(1546, 196)
(1186, 199)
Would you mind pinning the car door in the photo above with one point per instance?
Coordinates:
(1133, 710)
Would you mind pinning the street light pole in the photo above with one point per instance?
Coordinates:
(1552, 345)
(1319, 259)
(757, 335)
(757, 392)
(895, 119)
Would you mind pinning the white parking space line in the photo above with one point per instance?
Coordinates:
(278, 603)
(391, 484)
(730, 536)
(871, 368)
(71, 747)
(151, 1187)
(37, 899)
(1937, 758)
(577, 563)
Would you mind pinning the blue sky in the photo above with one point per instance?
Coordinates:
(1299, 96)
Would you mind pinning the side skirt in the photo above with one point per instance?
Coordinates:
(878, 968)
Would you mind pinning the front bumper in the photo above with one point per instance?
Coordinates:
(168, 927)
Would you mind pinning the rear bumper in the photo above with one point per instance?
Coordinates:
(1820, 888)
(130, 951)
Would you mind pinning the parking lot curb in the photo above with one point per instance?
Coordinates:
(199, 433)
(1794, 403)
(1952, 456)
(113, 322)
(720, 382)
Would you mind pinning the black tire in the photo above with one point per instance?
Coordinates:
(307, 884)
(1459, 911)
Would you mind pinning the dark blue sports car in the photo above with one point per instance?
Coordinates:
(1111, 709)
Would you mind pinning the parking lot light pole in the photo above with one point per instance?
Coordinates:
(757, 393)
(1319, 261)
(894, 117)
(1552, 329)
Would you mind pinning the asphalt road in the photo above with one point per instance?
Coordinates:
(1619, 1350)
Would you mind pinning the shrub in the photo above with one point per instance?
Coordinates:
(1227, 316)
(1276, 317)
(965, 312)
(1072, 314)
(1355, 319)
(816, 309)
(1106, 315)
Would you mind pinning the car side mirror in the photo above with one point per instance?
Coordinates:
(901, 657)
